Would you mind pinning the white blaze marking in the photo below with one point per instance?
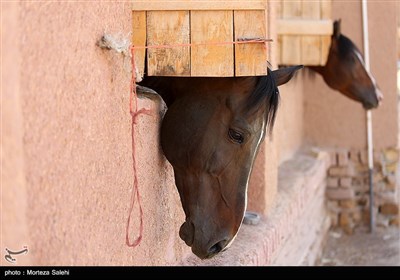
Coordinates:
(247, 183)
(378, 93)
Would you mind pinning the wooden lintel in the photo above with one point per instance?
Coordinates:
(179, 5)
(304, 27)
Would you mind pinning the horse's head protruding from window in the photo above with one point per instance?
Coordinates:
(345, 71)
(211, 135)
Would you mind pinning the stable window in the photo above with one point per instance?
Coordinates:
(196, 38)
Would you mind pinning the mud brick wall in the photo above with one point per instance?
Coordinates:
(348, 188)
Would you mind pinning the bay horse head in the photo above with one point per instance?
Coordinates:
(345, 71)
(211, 134)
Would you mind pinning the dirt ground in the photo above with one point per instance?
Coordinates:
(381, 248)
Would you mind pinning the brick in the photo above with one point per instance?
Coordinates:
(366, 214)
(342, 171)
(332, 182)
(382, 221)
(356, 181)
(391, 167)
(362, 169)
(332, 157)
(363, 200)
(377, 177)
(345, 182)
(394, 221)
(390, 187)
(386, 197)
(389, 209)
(344, 219)
(378, 158)
(379, 187)
(333, 206)
(334, 219)
(349, 229)
(391, 179)
(357, 217)
(347, 203)
(346, 223)
(390, 155)
(390, 159)
(355, 156)
(360, 188)
(342, 157)
(339, 193)
(349, 210)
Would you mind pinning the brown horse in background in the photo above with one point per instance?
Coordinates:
(345, 71)
(211, 134)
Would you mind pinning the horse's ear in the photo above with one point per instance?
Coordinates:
(336, 28)
(283, 75)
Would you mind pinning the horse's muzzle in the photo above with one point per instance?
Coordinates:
(186, 232)
(200, 246)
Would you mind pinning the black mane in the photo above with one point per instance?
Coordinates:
(346, 47)
(265, 92)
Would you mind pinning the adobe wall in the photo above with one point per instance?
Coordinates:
(14, 232)
(67, 143)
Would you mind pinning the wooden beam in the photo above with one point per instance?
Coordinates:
(179, 5)
(304, 27)
(211, 27)
(326, 13)
(290, 50)
(250, 59)
(163, 28)
(139, 40)
(311, 44)
(325, 46)
(326, 9)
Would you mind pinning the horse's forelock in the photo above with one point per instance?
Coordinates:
(346, 47)
(265, 93)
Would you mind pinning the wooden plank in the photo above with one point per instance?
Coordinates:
(326, 9)
(310, 50)
(139, 40)
(279, 9)
(250, 59)
(311, 45)
(172, 5)
(325, 46)
(291, 9)
(304, 27)
(310, 9)
(166, 28)
(290, 50)
(291, 45)
(326, 13)
(211, 27)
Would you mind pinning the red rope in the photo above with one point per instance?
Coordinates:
(242, 41)
(135, 113)
(135, 188)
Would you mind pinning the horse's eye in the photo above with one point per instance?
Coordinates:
(235, 136)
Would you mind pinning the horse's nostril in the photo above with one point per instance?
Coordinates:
(216, 248)
(186, 232)
(380, 97)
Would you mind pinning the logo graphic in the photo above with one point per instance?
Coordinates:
(8, 257)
